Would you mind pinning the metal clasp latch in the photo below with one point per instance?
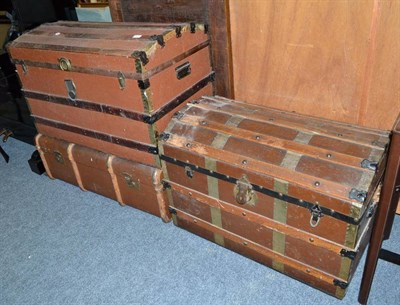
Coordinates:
(189, 172)
(183, 70)
(316, 214)
(121, 80)
(243, 191)
(71, 89)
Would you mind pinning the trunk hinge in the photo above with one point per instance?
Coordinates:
(192, 27)
(159, 39)
(178, 31)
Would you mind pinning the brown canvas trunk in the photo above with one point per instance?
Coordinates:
(290, 191)
(111, 87)
(130, 183)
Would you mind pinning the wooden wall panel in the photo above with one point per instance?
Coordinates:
(336, 59)
(382, 103)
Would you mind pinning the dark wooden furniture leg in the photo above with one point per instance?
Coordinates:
(384, 217)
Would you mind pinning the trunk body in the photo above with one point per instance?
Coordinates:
(130, 183)
(111, 87)
(290, 191)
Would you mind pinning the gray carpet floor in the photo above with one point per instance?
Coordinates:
(60, 245)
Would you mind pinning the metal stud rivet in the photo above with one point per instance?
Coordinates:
(245, 243)
(329, 155)
(188, 145)
(194, 220)
(317, 183)
(244, 213)
(311, 239)
(244, 162)
(258, 137)
(308, 270)
(190, 194)
(203, 123)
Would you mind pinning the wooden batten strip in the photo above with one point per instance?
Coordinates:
(297, 147)
(99, 33)
(74, 165)
(277, 257)
(161, 196)
(114, 180)
(67, 48)
(128, 75)
(115, 37)
(123, 46)
(260, 167)
(105, 25)
(290, 120)
(294, 115)
(42, 156)
(293, 126)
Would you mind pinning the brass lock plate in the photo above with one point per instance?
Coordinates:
(130, 181)
(64, 64)
(243, 192)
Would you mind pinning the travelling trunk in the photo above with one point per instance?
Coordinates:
(293, 192)
(111, 87)
(130, 183)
